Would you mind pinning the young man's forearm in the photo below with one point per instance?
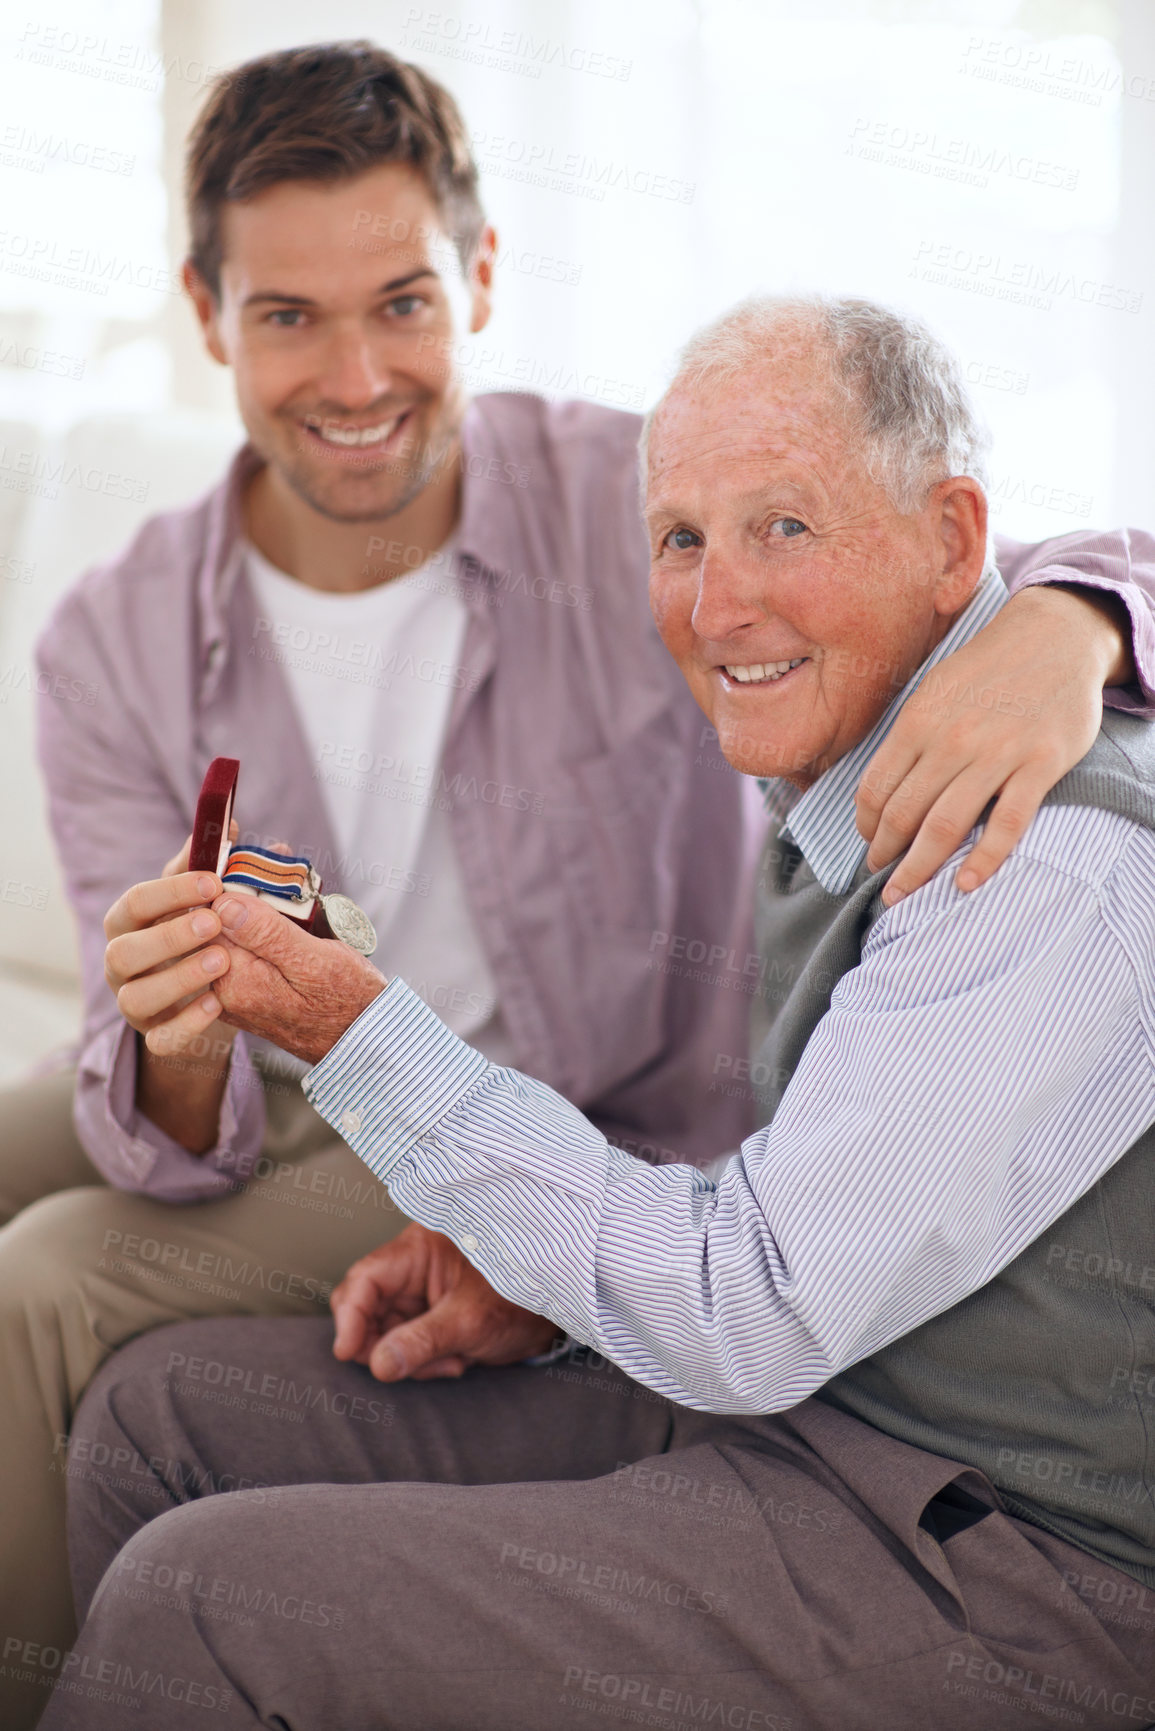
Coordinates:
(182, 1094)
(1107, 618)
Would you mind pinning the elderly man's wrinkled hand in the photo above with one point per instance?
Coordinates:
(415, 1307)
(300, 992)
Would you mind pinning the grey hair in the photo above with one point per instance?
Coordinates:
(903, 384)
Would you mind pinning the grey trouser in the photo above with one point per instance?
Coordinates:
(84, 1267)
(537, 1547)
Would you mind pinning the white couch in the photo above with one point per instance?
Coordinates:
(45, 543)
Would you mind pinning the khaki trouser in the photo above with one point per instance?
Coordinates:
(85, 1267)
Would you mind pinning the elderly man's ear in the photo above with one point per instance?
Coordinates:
(958, 509)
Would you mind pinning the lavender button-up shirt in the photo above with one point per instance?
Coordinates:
(606, 847)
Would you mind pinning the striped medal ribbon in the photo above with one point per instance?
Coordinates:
(287, 876)
(290, 878)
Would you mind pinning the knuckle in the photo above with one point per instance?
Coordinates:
(171, 936)
(134, 903)
(963, 729)
(1009, 819)
(941, 828)
(896, 828)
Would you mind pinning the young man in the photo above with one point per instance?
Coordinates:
(422, 627)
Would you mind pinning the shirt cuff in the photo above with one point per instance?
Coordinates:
(392, 1077)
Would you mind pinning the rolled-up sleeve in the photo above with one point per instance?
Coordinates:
(133, 1153)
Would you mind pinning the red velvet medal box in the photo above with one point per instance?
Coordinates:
(211, 848)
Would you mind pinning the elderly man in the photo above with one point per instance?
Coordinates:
(881, 1453)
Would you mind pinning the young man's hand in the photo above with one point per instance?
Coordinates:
(416, 1308)
(160, 962)
(160, 959)
(1003, 718)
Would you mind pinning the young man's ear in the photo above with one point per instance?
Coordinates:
(207, 309)
(481, 279)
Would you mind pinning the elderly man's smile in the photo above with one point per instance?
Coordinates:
(760, 674)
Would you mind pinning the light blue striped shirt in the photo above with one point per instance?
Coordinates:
(821, 821)
(987, 1061)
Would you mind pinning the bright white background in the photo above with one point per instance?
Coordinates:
(989, 163)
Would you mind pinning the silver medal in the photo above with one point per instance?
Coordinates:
(350, 923)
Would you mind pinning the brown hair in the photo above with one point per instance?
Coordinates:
(325, 112)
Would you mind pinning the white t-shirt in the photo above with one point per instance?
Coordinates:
(372, 676)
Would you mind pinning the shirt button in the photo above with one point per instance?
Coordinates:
(350, 1123)
(468, 1241)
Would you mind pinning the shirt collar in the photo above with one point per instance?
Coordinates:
(821, 820)
(485, 534)
(220, 563)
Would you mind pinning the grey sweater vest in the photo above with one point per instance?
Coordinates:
(1044, 1379)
